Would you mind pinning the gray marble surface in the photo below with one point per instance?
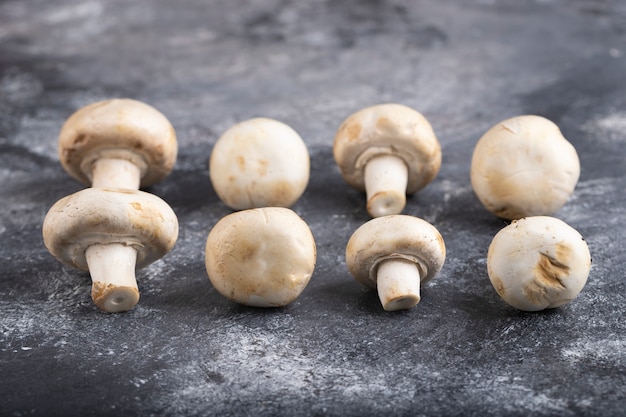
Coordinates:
(184, 349)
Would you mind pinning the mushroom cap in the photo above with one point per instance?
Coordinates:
(387, 129)
(523, 166)
(260, 257)
(538, 262)
(394, 236)
(119, 128)
(259, 162)
(101, 216)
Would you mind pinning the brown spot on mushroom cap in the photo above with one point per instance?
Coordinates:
(351, 129)
(498, 285)
(258, 163)
(262, 167)
(394, 236)
(550, 274)
(537, 263)
(387, 129)
(104, 215)
(120, 128)
(523, 166)
(553, 269)
(261, 257)
(241, 163)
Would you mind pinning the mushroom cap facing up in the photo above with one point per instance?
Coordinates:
(538, 262)
(523, 166)
(387, 129)
(261, 257)
(119, 128)
(395, 236)
(100, 216)
(259, 162)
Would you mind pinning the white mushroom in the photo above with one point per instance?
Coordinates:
(523, 167)
(119, 143)
(395, 254)
(260, 162)
(260, 257)
(110, 233)
(388, 151)
(538, 262)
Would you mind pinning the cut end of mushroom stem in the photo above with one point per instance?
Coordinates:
(112, 269)
(398, 283)
(115, 173)
(386, 179)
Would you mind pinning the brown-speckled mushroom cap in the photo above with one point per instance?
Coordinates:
(260, 257)
(523, 166)
(101, 216)
(394, 236)
(259, 162)
(538, 262)
(118, 128)
(388, 129)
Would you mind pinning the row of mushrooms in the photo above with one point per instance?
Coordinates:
(522, 169)
(264, 254)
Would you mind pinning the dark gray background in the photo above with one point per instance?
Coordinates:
(184, 349)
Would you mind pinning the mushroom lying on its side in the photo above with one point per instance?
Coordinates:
(538, 262)
(118, 143)
(388, 151)
(524, 167)
(260, 257)
(259, 162)
(110, 233)
(394, 254)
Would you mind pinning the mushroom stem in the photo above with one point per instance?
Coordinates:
(386, 179)
(112, 269)
(115, 173)
(398, 283)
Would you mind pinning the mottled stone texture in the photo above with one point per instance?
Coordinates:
(186, 350)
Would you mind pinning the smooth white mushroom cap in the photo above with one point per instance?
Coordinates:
(100, 216)
(392, 237)
(122, 129)
(523, 166)
(538, 262)
(261, 257)
(387, 129)
(259, 162)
